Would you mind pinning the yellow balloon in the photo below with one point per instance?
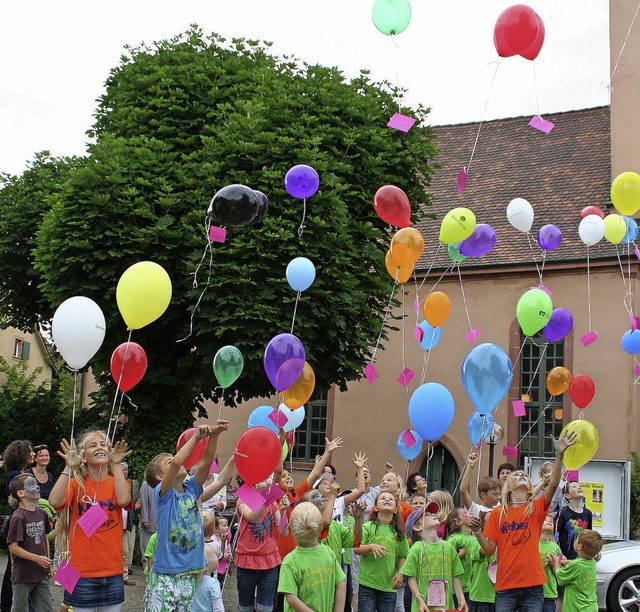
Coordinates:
(586, 444)
(407, 245)
(457, 225)
(402, 275)
(301, 390)
(615, 228)
(625, 193)
(143, 293)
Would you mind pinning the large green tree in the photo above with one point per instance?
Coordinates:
(179, 120)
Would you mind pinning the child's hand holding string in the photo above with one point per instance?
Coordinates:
(69, 454)
(220, 426)
(472, 459)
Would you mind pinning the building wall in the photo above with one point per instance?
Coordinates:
(37, 356)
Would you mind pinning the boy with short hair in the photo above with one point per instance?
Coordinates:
(488, 490)
(29, 547)
(310, 575)
(179, 554)
(418, 500)
(548, 547)
(579, 576)
(573, 519)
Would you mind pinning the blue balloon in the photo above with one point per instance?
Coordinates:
(479, 427)
(300, 273)
(631, 341)
(294, 417)
(486, 374)
(632, 230)
(431, 336)
(260, 418)
(431, 410)
(414, 451)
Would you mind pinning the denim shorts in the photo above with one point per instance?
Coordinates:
(96, 592)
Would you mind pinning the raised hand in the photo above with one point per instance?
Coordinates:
(359, 459)
(202, 432)
(472, 459)
(119, 452)
(562, 444)
(332, 445)
(220, 426)
(358, 509)
(335, 489)
(475, 524)
(69, 454)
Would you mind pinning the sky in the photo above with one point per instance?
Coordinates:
(55, 57)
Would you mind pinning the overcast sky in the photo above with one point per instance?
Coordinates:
(55, 57)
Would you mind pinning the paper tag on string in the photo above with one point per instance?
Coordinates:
(272, 494)
(509, 451)
(214, 467)
(67, 576)
(589, 338)
(518, 408)
(637, 252)
(473, 335)
(92, 519)
(284, 521)
(418, 333)
(492, 571)
(636, 369)
(250, 496)
(408, 438)
(405, 378)
(635, 322)
(462, 180)
(572, 475)
(278, 418)
(541, 124)
(400, 122)
(371, 373)
(217, 234)
(222, 566)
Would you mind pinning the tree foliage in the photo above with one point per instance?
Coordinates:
(181, 119)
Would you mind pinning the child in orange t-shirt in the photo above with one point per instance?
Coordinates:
(514, 531)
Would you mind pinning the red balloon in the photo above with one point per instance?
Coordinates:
(257, 454)
(582, 389)
(392, 205)
(198, 449)
(128, 365)
(291, 439)
(591, 210)
(518, 31)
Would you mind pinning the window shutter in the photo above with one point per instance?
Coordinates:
(26, 347)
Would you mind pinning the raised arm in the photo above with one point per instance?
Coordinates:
(487, 546)
(561, 446)
(181, 456)
(359, 460)
(542, 485)
(465, 481)
(321, 462)
(116, 457)
(72, 461)
(210, 451)
(220, 482)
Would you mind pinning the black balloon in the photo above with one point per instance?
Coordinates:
(234, 205)
(263, 207)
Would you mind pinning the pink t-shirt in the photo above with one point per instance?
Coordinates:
(257, 548)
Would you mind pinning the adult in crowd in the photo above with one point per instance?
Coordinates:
(39, 470)
(148, 523)
(129, 520)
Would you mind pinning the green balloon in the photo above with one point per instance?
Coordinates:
(285, 450)
(453, 250)
(227, 365)
(391, 16)
(534, 311)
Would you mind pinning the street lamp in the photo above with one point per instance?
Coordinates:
(496, 436)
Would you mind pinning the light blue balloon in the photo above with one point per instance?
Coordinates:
(409, 453)
(431, 336)
(260, 418)
(632, 230)
(479, 427)
(431, 410)
(294, 417)
(300, 273)
(486, 374)
(631, 341)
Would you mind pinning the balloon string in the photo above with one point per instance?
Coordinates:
(464, 469)
(73, 410)
(533, 255)
(295, 310)
(480, 445)
(629, 276)
(544, 350)
(588, 289)
(624, 44)
(433, 261)
(115, 398)
(384, 322)
(535, 85)
(428, 458)
(520, 352)
(464, 299)
(403, 334)
(221, 403)
(534, 424)
(304, 216)
(427, 356)
(627, 303)
(544, 260)
(447, 271)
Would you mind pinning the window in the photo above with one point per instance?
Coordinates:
(21, 349)
(535, 429)
(310, 435)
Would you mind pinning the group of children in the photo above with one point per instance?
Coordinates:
(498, 554)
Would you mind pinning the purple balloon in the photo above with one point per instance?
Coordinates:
(302, 181)
(481, 241)
(549, 237)
(284, 360)
(559, 325)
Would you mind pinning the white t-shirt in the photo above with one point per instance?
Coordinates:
(476, 509)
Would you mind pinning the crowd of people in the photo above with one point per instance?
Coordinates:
(315, 546)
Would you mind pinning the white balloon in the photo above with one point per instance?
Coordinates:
(294, 417)
(78, 330)
(520, 214)
(591, 229)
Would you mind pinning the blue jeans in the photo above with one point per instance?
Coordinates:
(549, 604)
(372, 600)
(528, 599)
(96, 592)
(256, 587)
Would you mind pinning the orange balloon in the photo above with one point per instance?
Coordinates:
(436, 308)
(402, 275)
(558, 380)
(301, 390)
(407, 245)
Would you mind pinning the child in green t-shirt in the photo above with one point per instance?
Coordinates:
(579, 575)
(547, 547)
(458, 533)
(310, 574)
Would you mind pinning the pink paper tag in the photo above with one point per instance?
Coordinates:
(214, 467)
(462, 180)
(473, 335)
(401, 122)
(541, 124)
(284, 521)
(509, 451)
(518, 408)
(222, 566)
(545, 289)
(635, 322)
(250, 496)
(405, 378)
(416, 304)
(67, 576)
(278, 418)
(589, 338)
(637, 252)
(370, 373)
(92, 519)
(636, 369)
(418, 333)
(408, 438)
(217, 234)
(272, 494)
(570, 475)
